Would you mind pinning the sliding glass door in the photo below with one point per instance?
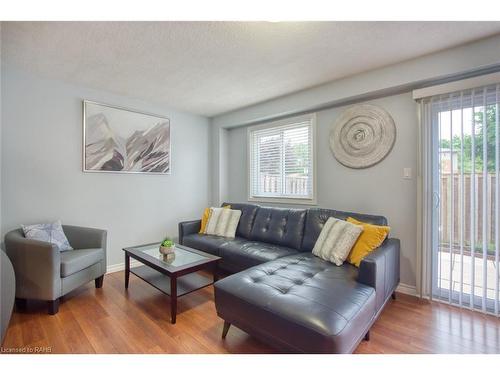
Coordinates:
(464, 127)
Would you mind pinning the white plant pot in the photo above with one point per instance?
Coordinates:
(167, 250)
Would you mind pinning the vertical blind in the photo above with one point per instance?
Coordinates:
(464, 130)
(281, 160)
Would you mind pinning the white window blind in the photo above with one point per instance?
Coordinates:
(464, 136)
(281, 160)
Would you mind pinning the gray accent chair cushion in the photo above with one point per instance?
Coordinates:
(74, 261)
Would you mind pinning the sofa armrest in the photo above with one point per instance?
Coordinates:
(380, 270)
(85, 238)
(188, 227)
(37, 266)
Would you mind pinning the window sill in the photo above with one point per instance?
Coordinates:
(304, 201)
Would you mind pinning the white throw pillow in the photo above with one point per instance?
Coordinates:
(52, 233)
(336, 240)
(223, 222)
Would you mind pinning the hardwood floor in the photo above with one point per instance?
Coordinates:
(112, 320)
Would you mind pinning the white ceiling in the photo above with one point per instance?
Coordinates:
(210, 68)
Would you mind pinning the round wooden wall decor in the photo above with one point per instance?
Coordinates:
(362, 136)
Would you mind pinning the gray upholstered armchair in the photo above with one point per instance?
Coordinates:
(44, 273)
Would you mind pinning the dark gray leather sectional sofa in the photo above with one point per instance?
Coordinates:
(281, 293)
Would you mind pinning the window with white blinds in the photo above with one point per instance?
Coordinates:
(281, 161)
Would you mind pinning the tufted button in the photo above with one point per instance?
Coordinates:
(298, 282)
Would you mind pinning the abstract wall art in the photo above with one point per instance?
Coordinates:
(121, 140)
(362, 136)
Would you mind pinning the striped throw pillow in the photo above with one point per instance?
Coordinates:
(336, 240)
(222, 222)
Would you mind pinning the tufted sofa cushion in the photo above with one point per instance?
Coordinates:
(299, 303)
(317, 217)
(240, 254)
(247, 218)
(204, 242)
(279, 226)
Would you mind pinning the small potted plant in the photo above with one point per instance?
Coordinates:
(167, 246)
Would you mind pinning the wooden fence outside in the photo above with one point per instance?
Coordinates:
(294, 185)
(464, 214)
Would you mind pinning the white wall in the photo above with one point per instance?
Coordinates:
(219, 164)
(42, 176)
(379, 190)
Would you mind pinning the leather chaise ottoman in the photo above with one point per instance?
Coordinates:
(299, 303)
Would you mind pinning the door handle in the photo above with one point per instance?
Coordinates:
(437, 199)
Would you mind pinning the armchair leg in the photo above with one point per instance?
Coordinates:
(53, 307)
(99, 281)
(225, 329)
(393, 295)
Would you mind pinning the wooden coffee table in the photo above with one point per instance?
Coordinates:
(174, 275)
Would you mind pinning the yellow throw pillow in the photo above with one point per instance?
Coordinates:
(204, 219)
(371, 238)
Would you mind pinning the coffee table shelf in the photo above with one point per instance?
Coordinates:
(185, 284)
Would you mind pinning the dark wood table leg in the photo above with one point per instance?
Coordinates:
(173, 299)
(216, 273)
(127, 270)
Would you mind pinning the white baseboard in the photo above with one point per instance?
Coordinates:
(121, 266)
(407, 289)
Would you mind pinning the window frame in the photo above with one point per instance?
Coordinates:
(311, 118)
